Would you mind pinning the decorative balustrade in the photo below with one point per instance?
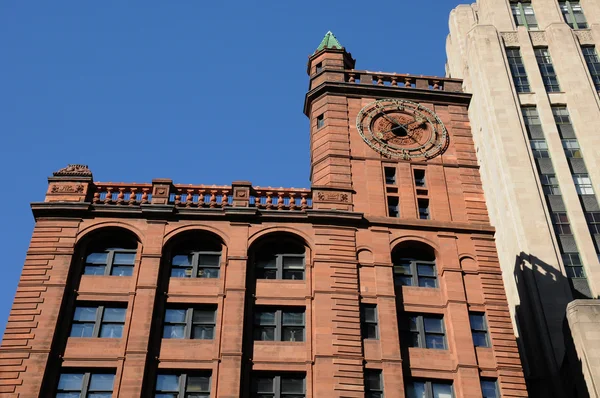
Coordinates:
(401, 80)
(202, 196)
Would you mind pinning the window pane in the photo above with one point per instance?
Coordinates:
(370, 313)
(267, 263)
(266, 273)
(412, 323)
(70, 382)
(121, 270)
(124, 258)
(174, 316)
(85, 314)
(174, 332)
(167, 383)
(68, 395)
(94, 270)
(433, 325)
(426, 270)
(114, 315)
(370, 331)
(415, 390)
(480, 339)
(292, 385)
(96, 258)
(265, 318)
(208, 272)
(111, 331)
(101, 382)
(293, 334)
(180, 273)
(293, 318)
(435, 341)
(99, 395)
(82, 330)
(404, 280)
(264, 333)
(263, 384)
(203, 332)
(296, 275)
(477, 321)
(427, 282)
(442, 390)
(198, 384)
(293, 262)
(488, 388)
(208, 260)
(204, 316)
(182, 260)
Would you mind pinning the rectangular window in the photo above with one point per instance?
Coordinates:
(117, 262)
(368, 315)
(373, 383)
(563, 121)
(539, 148)
(268, 385)
(560, 221)
(202, 264)
(573, 14)
(583, 184)
(517, 70)
(523, 14)
(479, 329)
(319, 67)
(550, 184)
(390, 175)
(593, 220)
(571, 147)
(276, 324)
(544, 61)
(85, 385)
(393, 210)
(183, 385)
(419, 178)
(423, 209)
(429, 389)
(280, 266)
(409, 272)
(425, 331)
(593, 63)
(320, 120)
(573, 266)
(533, 124)
(98, 321)
(190, 323)
(489, 388)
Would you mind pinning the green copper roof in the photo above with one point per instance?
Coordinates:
(329, 41)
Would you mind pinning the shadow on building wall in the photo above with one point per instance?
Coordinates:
(550, 363)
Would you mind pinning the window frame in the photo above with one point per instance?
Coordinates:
(547, 71)
(571, 151)
(517, 70)
(188, 323)
(373, 392)
(278, 325)
(196, 266)
(420, 181)
(593, 65)
(414, 273)
(364, 322)
(593, 221)
(429, 384)
(569, 12)
(541, 152)
(277, 383)
(423, 208)
(484, 330)
(420, 330)
(582, 188)
(321, 121)
(390, 178)
(561, 223)
(280, 265)
(182, 382)
(571, 267)
(84, 392)
(550, 187)
(393, 204)
(518, 6)
(98, 321)
(488, 380)
(110, 258)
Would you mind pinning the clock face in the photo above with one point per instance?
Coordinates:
(402, 129)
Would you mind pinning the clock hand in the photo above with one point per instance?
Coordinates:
(392, 129)
(391, 119)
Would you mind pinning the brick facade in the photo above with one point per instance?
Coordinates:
(348, 239)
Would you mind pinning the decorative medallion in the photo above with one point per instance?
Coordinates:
(402, 129)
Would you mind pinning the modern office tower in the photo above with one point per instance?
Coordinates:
(380, 280)
(534, 72)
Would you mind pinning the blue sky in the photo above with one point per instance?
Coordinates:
(202, 92)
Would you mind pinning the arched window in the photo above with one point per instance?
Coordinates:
(280, 257)
(414, 265)
(196, 255)
(110, 253)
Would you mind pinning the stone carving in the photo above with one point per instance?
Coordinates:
(79, 188)
(510, 38)
(74, 170)
(333, 197)
(538, 38)
(585, 36)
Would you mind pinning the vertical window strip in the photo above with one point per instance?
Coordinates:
(573, 14)
(593, 63)
(517, 70)
(544, 61)
(524, 15)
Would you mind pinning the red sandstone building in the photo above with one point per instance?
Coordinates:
(380, 280)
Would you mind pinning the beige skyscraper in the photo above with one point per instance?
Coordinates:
(534, 72)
